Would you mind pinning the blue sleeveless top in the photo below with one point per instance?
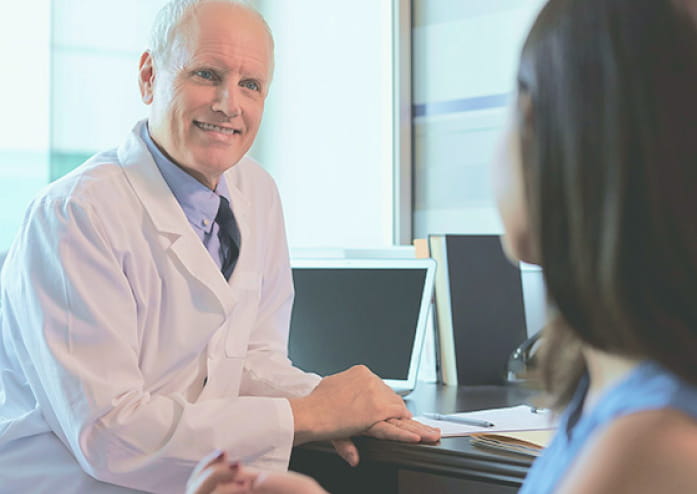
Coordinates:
(647, 387)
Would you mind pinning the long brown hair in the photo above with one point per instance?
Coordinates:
(610, 165)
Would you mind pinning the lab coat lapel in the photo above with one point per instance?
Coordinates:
(176, 235)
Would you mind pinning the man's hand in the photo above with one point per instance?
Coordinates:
(345, 404)
(405, 430)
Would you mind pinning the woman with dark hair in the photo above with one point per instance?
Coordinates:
(598, 185)
(599, 189)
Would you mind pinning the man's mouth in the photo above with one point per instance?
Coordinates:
(216, 128)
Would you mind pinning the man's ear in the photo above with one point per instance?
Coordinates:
(146, 77)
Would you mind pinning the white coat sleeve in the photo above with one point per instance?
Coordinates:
(74, 312)
(267, 369)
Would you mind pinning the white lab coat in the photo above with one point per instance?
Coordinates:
(113, 313)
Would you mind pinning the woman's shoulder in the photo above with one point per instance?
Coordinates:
(643, 452)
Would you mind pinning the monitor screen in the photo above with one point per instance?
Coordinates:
(347, 316)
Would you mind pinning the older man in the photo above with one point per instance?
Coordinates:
(145, 302)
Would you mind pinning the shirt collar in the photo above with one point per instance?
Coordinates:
(200, 204)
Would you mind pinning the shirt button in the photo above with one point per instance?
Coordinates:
(206, 222)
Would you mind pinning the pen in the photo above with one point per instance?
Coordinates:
(458, 419)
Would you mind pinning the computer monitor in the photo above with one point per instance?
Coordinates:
(361, 311)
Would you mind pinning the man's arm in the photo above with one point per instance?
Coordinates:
(75, 318)
(351, 402)
(267, 369)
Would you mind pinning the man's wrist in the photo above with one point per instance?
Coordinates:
(309, 420)
(303, 427)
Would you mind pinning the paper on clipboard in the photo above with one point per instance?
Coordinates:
(517, 418)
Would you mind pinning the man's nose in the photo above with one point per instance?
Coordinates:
(227, 101)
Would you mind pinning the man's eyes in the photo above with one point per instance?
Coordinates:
(208, 75)
(212, 76)
(251, 85)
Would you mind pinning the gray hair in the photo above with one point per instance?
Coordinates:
(169, 18)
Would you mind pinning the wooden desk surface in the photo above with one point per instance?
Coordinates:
(453, 457)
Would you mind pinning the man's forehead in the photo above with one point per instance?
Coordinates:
(226, 22)
(219, 28)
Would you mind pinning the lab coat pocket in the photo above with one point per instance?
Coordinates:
(247, 287)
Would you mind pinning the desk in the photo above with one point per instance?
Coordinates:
(453, 465)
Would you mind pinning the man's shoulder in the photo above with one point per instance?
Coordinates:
(97, 175)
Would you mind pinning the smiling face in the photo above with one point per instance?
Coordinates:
(207, 93)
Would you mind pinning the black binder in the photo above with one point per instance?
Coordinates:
(479, 308)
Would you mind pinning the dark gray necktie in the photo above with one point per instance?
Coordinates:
(228, 234)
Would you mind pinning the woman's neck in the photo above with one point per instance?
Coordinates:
(604, 370)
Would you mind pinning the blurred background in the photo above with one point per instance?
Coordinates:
(382, 118)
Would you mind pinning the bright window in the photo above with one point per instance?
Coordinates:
(24, 99)
(327, 131)
(465, 61)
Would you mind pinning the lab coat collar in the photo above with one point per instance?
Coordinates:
(170, 221)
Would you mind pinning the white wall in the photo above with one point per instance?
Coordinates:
(327, 130)
(95, 95)
(24, 99)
